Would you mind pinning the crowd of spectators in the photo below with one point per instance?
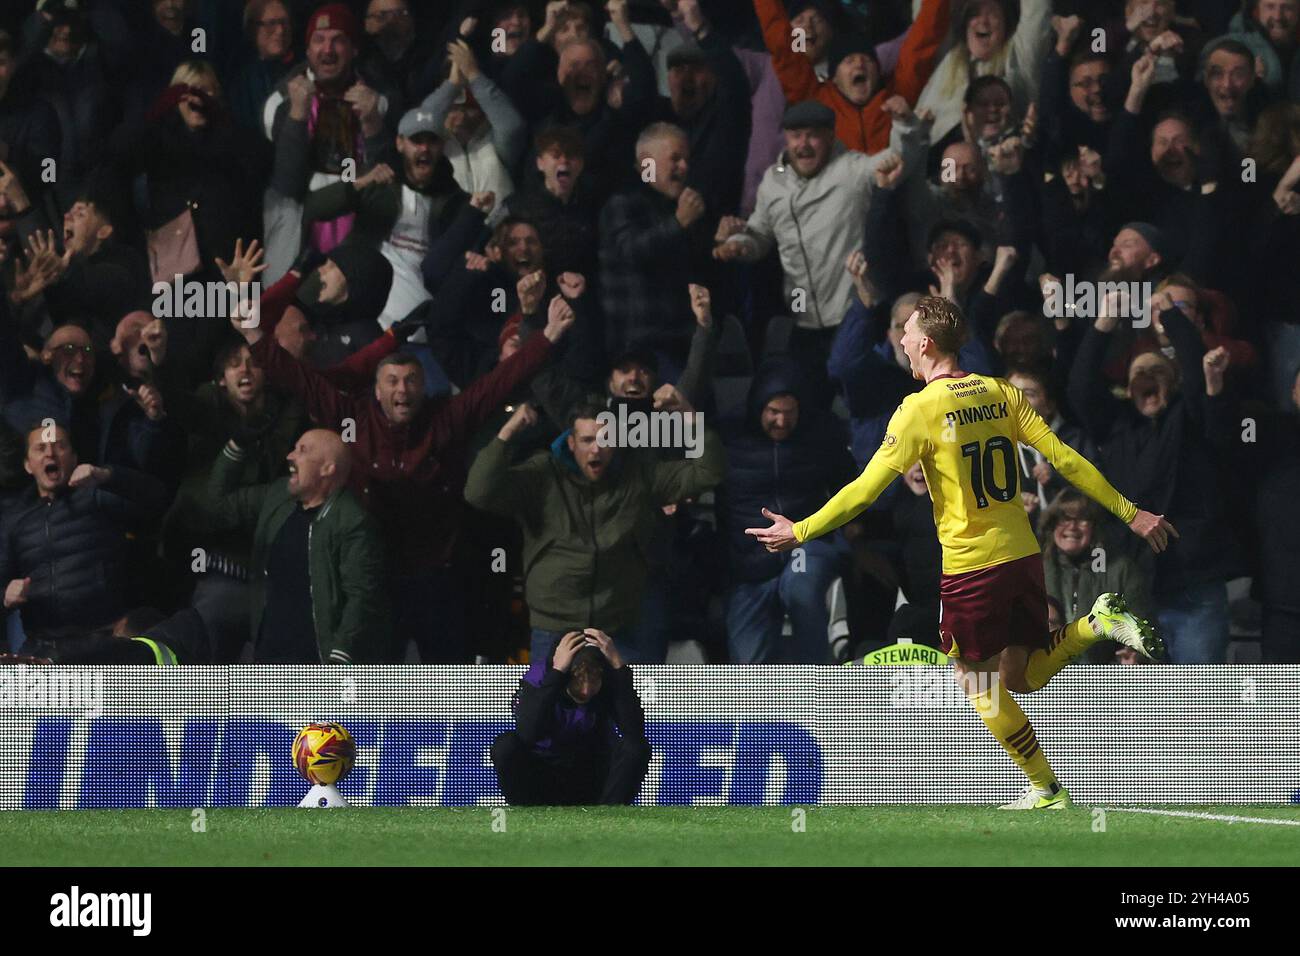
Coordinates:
(314, 315)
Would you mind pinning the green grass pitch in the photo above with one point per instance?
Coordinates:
(617, 836)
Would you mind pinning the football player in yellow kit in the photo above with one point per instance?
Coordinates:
(965, 429)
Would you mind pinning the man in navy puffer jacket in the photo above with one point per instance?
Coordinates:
(782, 459)
(63, 541)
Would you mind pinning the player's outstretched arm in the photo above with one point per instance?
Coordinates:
(1079, 471)
(1071, 465)
(849, 502)
(1153, 529)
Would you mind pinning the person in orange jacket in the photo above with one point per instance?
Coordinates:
(855, 91)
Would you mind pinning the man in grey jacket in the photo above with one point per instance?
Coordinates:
(483, 134)
(812, 206)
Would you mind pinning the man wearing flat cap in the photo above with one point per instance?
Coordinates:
(812, 207)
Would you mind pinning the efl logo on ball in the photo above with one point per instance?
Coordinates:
(324, 753)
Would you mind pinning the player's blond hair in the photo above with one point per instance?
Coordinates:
(941, 321)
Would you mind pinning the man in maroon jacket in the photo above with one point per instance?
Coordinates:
(410, 463)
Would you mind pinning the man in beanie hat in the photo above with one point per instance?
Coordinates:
(332, 37)
(855, 90)
(322, 115)
(1140, 252)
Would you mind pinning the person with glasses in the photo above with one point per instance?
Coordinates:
(1078, 567)
(119, 424)
(1212, 314)
(1074, 105)
(408, 69)
(267, 56)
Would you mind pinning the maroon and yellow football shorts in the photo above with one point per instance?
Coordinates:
(981, 612)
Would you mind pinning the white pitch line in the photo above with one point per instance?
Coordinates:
(1205, 816)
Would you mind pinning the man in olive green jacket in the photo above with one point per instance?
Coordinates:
(317, 560)
(587, 511)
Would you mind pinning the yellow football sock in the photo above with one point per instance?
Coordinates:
(1067, 643)
(1008, 723)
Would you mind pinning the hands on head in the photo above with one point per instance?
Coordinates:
(574, 641)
